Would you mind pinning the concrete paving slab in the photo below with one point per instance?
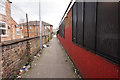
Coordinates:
(52, 63)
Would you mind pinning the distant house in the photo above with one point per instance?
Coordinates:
(47, 29)
(10, 30)
(34, 30)
(8, 27)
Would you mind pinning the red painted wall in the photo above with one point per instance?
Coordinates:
(89, 64)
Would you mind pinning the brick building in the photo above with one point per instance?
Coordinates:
(34, 30)
(8, 26)
(10, 30)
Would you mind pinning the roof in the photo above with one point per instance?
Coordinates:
(46, 24)
(34, 23)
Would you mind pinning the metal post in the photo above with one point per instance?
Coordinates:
(40, 25)
(27, 25)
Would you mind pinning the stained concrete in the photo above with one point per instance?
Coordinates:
(53, 63)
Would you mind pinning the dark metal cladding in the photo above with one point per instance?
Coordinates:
(90, 25)
(80, 20)
(107, 29)
(119, 33)
(74, 21)
(62, 29)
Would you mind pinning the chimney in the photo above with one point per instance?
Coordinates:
(8, 8)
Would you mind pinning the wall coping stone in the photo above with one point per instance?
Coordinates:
(5, 43)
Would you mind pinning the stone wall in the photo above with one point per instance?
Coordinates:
(15, 54)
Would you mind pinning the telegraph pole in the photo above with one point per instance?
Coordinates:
(0, 34)
(37, 28)
(40, 25)
(27, 25)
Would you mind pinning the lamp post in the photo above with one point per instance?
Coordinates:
(40, 24)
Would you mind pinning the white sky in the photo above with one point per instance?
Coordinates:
(51, 10)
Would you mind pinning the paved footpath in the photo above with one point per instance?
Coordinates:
(53, 63)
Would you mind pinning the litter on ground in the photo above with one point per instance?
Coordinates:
(44, 46)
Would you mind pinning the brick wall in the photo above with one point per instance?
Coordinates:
(15, 54)
(68, 19)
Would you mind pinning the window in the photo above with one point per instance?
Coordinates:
(30, 27)
(2, 7)
(45, 27)
(3, 29)
(18, 31)
(21, 27)
(25, 27)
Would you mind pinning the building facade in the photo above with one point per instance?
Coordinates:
(90, 37)
(8, 26)
(34, 29)
(11, 30)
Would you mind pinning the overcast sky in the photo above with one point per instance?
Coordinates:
(51, 10)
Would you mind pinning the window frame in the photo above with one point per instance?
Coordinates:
(17, 29)
(3, 29)
(3, 7)
(30, 27)
(21, 27)
(25, 27)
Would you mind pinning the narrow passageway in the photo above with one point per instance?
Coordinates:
(53, 63)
